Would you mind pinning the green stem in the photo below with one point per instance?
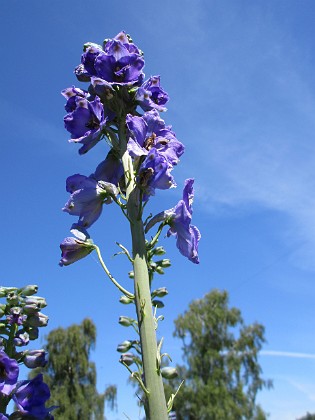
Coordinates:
(124, 291)
(155, 404)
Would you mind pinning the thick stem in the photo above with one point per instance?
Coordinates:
(155, 403)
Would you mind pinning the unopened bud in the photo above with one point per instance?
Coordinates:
(40, 302)
(157, 303)
(159, 270)
(37, 320)
(125, 321)
(131, 274)
(125, 300)
(169, 372)
(12, 297)
(33, 333)
(35, 358)
(159, 250)
(127, 359)
(124, 346)
(5, 290)
(2, 309)
(164, 263)
(28, 290)
(160, 292)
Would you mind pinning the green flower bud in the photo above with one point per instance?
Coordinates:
(125, 300)
(160, 292)
(124, 346)
(40, 302)
(12, 297)
(127, 358)
(28, 290)
(169, 372)
(157, 303)
(159, 270)
(159, 250)
(2, 309)
(125, 321)
(5, 290)
(131, 275)
(164, 263)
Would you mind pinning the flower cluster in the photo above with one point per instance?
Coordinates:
(110, 109)
(21, 318)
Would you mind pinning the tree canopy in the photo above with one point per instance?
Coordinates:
(71, 376)
(221, 371)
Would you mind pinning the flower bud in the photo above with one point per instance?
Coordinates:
(164, 263)
(169, 372)
(12, 298)
(22, 338)
(159, 250)
(160, 292)
(28, 290)
(40, 302)
(127, 358)
(2, 309)
(33, 333)
(125, 321)
(124, 346)
(159, 270)
(157, 303)
(131, 275)
(35, 358)
(125, 300)
(37, 320)
(5, 290)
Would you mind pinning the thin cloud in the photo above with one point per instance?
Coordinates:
(295, 355)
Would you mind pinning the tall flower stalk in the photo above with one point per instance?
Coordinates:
(143, 152)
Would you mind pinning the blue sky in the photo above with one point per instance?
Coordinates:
(241, 81)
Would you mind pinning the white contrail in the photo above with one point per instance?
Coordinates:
(287, 354)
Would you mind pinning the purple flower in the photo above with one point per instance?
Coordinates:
(21, 338)
(35, 358)
(85, 119)
(9, 372)
(109, 170)
(87, 198)
(151, 96)
(30, 397)
(179, 220)
(118, 62)
(16, 316)
(74, 249)
(149, 132)
(154, 173)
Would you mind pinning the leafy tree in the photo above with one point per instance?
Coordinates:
(222, 374)
(308, 416)
(71, 376)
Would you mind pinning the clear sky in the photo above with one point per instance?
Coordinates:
(240, 75)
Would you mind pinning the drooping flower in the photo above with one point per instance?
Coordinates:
(109, 170)
(35, 358)
(149, 132)
(72, 250)
(119, 62)
(154, 173)
(30, 398)
(87, 197)
(9, 372)
(85, 119)
(150, 95)
(179, 220)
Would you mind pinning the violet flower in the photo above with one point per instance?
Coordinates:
(30, 398)
(179, 220)
(154, 173)
(35, 358)
(74, 249)
(85, 119)
(87, 198)
(151, 96)
(148, 132)
(9, 372)
(119, 62)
